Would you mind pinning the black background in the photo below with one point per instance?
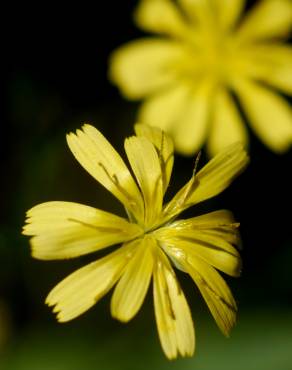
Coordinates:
(55, 78)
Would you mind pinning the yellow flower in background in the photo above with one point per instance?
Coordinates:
(205, 61)
(153, 240)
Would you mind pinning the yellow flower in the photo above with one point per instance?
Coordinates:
(153, 240)
(204, 62)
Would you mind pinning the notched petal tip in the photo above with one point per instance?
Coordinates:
(80, 131)
(62, 320)
(24, 230)
(56, 310)
(173, 357)
(98, 157)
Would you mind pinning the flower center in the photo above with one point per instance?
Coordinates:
(214, 55)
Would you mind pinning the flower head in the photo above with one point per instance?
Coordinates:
(202, 63)
(152, 239)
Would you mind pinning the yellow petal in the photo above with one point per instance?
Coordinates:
(164, 147)
(228, 11)
(210, 237)
(190, 130)
(164, 109)
(269, 114)
(269, 18)
(213, 178)
(214, 14)
(146, 167)
(182, 113)
(82, 289)
(218, 223)
(199, 12)
(173, 317)
(219, 172)
(215, 292)
(65, 230)
(144, 66)
(99, 158)
(227, 126)
(212, 249)
(160, 16)
(272, 64)
(130, 291)
(213, 219)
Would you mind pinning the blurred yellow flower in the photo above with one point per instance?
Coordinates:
(205, 62)
(153, 241)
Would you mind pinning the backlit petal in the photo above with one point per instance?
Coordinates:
(65, 230)
(144, 66)
(270, 115)
(163, 145)
(227, 126)
(82, 289)
(146, 167)
(272, 64)
(130, 291)
(165, 108)
(199, 12)
(183, 113)
(190, 131)
(215, 292)
(213, 178)
(208, 246)
(160, 16)
(221, 14)
(207, 220)
(228, 11)
(99, 158)
(218, 223)
(211, 237)
(173, 317)
(268, 18)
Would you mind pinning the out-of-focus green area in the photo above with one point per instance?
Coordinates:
(261, 340)
(57, 81)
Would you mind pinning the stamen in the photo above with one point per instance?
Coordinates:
(168, 159)
(178, 287)
(98, 228)
(163, 163)
(217, 296)
(185, 192)
(168, 301)
(156, 187)
(193, 183)
(162, 145)
(114, 179)
(165, 290)
(196, 163)
(130, 216)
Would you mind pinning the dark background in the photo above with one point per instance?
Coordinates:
(55, 78)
